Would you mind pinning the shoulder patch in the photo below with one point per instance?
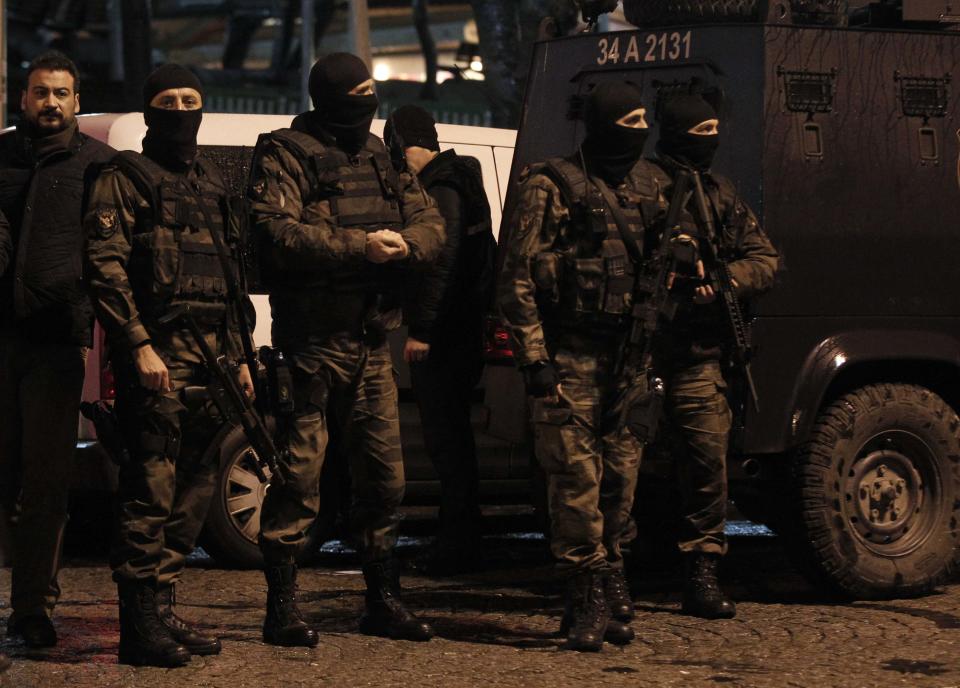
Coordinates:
(106, 222)
(259, 188)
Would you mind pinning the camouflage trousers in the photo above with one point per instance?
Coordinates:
(591, 465)
(355, 381)
(699, 419)
(167, 486)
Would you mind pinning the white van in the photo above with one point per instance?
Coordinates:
(234, 522)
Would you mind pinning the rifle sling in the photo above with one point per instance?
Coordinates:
(623, 225)
(233, 294)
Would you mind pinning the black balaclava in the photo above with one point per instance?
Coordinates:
(346, 117)
(409, 125)
(171, 138)
(610, 149)
(677, 116)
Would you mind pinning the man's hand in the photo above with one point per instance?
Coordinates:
(245, 381)
(386, 245)
(415, 350)
(542, 381)
(703, 294)
(151, 369)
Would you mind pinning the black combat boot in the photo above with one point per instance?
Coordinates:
(185, 634)
(284, 624)
(587, 617)
(144, 639)
(617, 592)
(386, 616)
(701, 592)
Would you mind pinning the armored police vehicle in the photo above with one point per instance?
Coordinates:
(840, 130)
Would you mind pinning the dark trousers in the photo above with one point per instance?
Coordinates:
(40, 388)
(356, 379)
(442, 385)
(169, 482)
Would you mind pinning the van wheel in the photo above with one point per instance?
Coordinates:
(232, 527)
(878, 493)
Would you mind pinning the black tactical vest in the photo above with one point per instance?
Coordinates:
(363, 192)
(587, 279)
(174, 258)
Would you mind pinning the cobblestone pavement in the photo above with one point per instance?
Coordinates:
(496, 628)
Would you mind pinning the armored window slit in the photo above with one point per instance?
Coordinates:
(808, 92)
(924, 97)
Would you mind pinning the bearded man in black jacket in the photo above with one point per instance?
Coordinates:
(45, 331)
(443, 311)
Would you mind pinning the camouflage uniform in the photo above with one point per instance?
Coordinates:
(313, 207)
(565, 293)
(149, 248)
(688, 355)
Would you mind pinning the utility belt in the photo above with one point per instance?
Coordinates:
(313, 311)
(211, 316)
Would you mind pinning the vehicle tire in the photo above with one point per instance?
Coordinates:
(233, 524)
(877, 493)
(653, 13)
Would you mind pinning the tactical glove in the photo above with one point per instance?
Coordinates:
(540, 379)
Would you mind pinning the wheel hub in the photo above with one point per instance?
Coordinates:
(887, 495)
(884, 497)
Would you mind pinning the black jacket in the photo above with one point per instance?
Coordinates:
(454, 293)
(42, 183)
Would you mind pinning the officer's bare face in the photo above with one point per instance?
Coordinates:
(50, 101)
(177, 99)
(635, 119)
(710, 127)
(364, 88)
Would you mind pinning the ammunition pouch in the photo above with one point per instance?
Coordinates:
(545, 269)
(591, 283)
(174, 256)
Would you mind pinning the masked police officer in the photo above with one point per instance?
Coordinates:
(566, 294)
(160, 237)
(46, 328)
(689, 352)
(337, 227)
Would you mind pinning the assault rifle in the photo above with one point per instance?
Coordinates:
(226, 394)
(719, 278)
(642, 404)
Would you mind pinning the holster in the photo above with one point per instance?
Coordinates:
(278, 383)
(643, 408)
(107, 425)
